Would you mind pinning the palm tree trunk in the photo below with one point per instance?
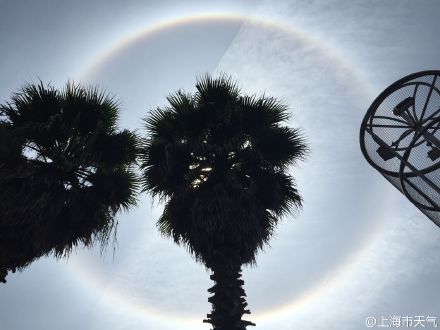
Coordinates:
(228, 299)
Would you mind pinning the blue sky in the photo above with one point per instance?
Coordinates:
(357, 249)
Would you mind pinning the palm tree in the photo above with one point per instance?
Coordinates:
(219, 159)
(65, 171)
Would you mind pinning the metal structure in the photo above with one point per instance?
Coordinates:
(400, 137)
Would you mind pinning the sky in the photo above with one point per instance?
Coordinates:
(358, 248)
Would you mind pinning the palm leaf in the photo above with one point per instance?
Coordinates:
(64, 174)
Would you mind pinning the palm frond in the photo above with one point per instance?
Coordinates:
(220, 160)
(65, 172)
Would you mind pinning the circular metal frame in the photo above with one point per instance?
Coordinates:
(403, 123)
(410, 130)
(402, 176)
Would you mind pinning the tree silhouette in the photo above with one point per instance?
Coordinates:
(219, 159)
(65, 171)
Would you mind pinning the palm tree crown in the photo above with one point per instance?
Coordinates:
(219, 159)
(65, 170)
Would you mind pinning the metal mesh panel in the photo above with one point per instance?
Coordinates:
(400, 137)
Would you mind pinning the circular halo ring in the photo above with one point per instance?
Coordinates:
(342, 271)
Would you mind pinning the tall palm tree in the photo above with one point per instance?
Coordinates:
(65, 171)
(219, 159)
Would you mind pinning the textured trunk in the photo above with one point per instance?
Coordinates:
(228, 299)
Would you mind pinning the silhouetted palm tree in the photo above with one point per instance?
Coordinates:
(219, 159)
(65, 170)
